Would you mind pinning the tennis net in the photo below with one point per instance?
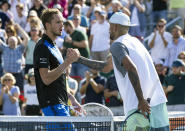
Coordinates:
(58, 123)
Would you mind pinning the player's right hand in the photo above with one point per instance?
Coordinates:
(144, 107)
(72, 55)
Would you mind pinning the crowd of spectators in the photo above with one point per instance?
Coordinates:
(86, 28)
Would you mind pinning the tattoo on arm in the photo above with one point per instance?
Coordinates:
(134, 78)
(93, 64)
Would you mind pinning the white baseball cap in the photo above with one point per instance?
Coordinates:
(120, 18)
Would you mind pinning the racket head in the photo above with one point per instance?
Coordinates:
(136, 122)
(96, 109)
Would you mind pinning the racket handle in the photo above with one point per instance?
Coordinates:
(148, 100)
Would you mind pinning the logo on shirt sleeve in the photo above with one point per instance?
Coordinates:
(43, 60)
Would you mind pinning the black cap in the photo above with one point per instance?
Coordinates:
(178, 63)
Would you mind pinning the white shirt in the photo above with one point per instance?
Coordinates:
(22, 21)
(159, 51)
(134, 18)
(31, 94)
(101, 40)
(147, 75)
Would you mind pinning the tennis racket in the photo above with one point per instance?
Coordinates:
(136, 120)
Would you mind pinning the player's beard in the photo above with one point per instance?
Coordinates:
(112, 36)
(56, 33)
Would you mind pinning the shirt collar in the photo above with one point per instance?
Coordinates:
(46, 37)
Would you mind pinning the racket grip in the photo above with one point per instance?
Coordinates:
(148, 100)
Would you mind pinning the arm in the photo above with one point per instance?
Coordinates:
(139, 6)
(23, 33)
(1, 96)
(151, 44)
(104, 66)
(164, 41)
(98, 88)
(85, 85)
(109, 94)
(90, 41)
(80, 44)
(14, 97)
(48, 76)
(169, 89)
(134, 79)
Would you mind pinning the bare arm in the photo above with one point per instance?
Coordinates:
(96, 87)
(108, 93)
(134, 79)
(48, 76)
(14, 97)
(23, 33)
(81, 44)
(90, 41)
(139, 6)
(151, 44)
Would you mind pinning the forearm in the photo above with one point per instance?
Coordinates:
(48, 76)
(1, 98)
(94, 86)
(24, 35)
(108, 94)
(13, 99)
(82, 44)
(93, 64)
(84, 88)
(164, 41)
(134, 79)
(139, 6)
(151, 45)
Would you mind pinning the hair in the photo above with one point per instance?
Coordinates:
(69, 23)
(181, 53)
(8, 75)
(11, 28)
(47, 15)
(177, 27)
(162, 20)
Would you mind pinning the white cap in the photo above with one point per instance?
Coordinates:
(120, 18)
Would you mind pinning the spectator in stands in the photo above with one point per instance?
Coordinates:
(112, 96)
(5, 7)
(174, 87)
(38, 6)
(158, 41)
(91, 12)
(12, 56)
(20, 18)
(93, 87)
(181, 56)
(5, 19)
(161, 70)
(9, 95)
(84, 7)
(32, 20)
(72, 83)
(99, 41)
(78, 40)
(176, 46)
(117, 6)
(159, 10)
(16, 2)
(62, 3)
(3, 35)
(35, 35)
(77, 11)
(137, 10)
(76, 22)
(31, 105)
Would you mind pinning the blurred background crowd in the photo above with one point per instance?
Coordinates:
(159, 26)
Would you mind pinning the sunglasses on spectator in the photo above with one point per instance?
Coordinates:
(160, 26)
(9, 31)
(7, 79)
(182, 58)
(33, 30)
